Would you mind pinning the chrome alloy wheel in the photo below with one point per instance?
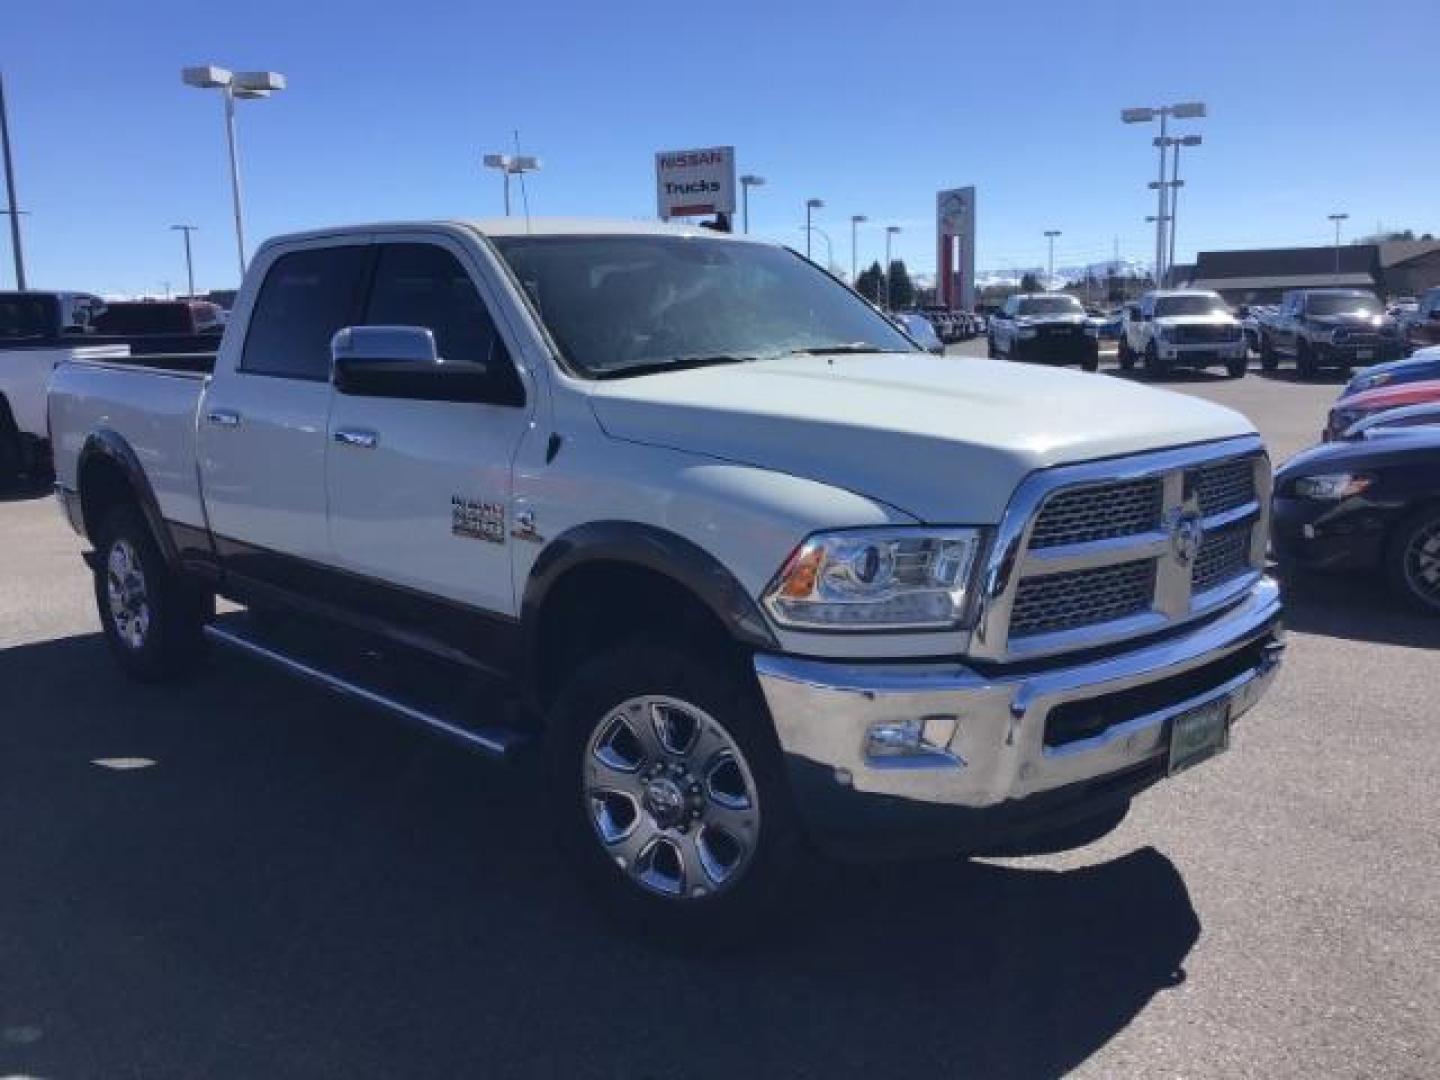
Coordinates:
(671, 797)
(129, 600)
(1422, 564)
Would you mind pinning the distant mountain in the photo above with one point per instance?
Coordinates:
(1064, 275)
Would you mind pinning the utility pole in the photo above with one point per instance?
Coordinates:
(189, 262)
(13, 199)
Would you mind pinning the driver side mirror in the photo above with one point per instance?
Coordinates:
(403, 362)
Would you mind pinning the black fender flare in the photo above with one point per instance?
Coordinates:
(650, 548)
(111, 446)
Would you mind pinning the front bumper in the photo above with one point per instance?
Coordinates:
(1051, 347)
(988, 772)
(1357, 354)
(1203, 354)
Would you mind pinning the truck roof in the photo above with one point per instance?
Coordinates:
(521, 226)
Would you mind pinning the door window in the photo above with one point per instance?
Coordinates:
(306, 297)
(425, 285)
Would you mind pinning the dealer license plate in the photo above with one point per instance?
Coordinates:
(1199, 734)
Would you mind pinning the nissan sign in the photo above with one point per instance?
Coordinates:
(694, 182)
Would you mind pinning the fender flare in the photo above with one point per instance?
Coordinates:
(650, 548)
(111, 446)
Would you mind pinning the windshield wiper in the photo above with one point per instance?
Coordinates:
(840, 347)
(671, 363)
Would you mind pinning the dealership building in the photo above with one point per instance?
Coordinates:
(1390, 268)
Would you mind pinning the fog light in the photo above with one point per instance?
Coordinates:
(916, 740)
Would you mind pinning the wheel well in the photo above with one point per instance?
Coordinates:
(103, 486)
(601, 603)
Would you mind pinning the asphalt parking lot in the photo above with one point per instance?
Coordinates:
(242, 877)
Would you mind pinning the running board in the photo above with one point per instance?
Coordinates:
(497, 741)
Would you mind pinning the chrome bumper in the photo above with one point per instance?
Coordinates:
(977, 769)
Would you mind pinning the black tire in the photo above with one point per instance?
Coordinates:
(152, 617)
(1412, 559)
(1125, 355)
(990, 350)
(12, 452)
(1269, 359)
(1304, 360)
(1236, 368)
(1155, 367)
(1091, 361)
(588, 708)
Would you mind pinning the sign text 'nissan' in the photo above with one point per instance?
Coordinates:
(693, 182)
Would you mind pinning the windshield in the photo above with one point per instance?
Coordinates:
(1337, 304)
(1190, 305)
(620, 305)
(1050, 305)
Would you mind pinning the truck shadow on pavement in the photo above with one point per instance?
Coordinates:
(298, 887)
(1356, 607)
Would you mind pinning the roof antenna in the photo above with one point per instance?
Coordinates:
(524, 194)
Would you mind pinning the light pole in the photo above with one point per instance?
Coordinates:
(189, 262)
(1050, 235)
(1337, 219)
(511, 165)
(1175, 184)
(1187, 110)
(810, 204)
(890, 231)
(12, 200)
(747, 181)
(245, 85)
(855, 219)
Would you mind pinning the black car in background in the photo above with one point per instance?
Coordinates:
(1328, 328)
(1367, 503)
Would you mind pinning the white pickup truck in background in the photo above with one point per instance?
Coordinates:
(757, 573)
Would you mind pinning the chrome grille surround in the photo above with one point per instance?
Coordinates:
(1200, 485)
(1099, 513)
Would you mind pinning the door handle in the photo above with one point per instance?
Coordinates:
(223, 417)
(365, 440)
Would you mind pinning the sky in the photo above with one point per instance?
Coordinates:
(1314, 108)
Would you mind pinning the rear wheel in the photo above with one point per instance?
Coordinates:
(1126, 355)
(1155, 366)
(1269, 360)
(152, 618)
(1305, 366)
(1413, 560)
(672, 803)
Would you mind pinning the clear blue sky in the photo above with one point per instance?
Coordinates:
(1315, 107)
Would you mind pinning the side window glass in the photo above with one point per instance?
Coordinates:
(305, 298)
(425, 285)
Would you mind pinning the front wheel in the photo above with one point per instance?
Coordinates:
(1305, 366)
(1236, 368)
(152, 618)
(1413, 560)
(1269, 359)
(672, 802)
(1091, 362)
(1155, 366)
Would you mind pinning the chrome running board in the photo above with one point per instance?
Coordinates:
(494, 740)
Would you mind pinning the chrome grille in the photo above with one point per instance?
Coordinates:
(1224, 554)
(1095, 553)
(1054, 602)
(1223, 487)
(1205, 334)
(1099, 512)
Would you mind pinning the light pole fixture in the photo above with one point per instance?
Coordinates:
(1050, 235)
(511, 165)
(890, 231)
(747, 181)
(855, 220)
(12, 200)
(1337, 219)
(189, 262)
(1175, 185)
(245, 85)
(810, 205)
(1185, 110)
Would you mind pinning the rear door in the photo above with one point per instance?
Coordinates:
(263, 424)
(419, 491)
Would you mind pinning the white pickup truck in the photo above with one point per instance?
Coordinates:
(760, 575)
(1182, 328)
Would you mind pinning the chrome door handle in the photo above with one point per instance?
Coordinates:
(223, 417)
(366, 440)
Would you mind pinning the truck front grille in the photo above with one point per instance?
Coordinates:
(1206, 334)
(1223, 487)
(1055, 602)
(1224, 554)
(1101, 512)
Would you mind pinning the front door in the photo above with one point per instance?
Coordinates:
(420, 490)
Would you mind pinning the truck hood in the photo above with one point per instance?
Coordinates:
(941, 438)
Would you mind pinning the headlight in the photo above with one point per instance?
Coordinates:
(868, 579)
(1331, 487)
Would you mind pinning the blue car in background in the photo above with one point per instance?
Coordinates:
(1424, 364)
